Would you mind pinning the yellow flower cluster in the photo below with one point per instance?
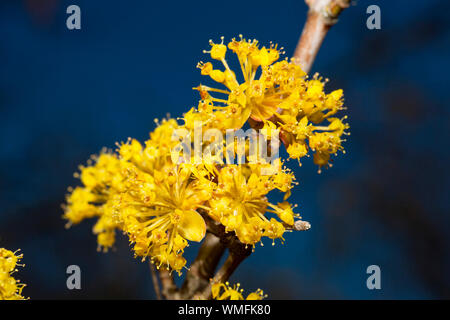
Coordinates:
(10, 288)
(273, 94)
(223, 291)
(103, 182)
(239, 202)
(143, 190)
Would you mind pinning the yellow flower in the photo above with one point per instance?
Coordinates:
(258, 98)
(102, 181)
(144, 192)
(80, 206)
(223, 291)
(275, 90)
(161, 218)
(140, 192)
(240, 202)
(157, 150)
(10, 288)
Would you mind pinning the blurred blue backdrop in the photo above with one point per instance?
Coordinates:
(66, 94)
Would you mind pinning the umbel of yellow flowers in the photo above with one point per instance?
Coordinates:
(223, 291)
(160, 204)
(10, 288)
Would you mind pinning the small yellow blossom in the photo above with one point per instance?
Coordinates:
(102, 181)
(240, 202)
(223, 291)
(10, 288)
(161, 219)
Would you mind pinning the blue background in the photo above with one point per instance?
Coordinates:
(66, 94)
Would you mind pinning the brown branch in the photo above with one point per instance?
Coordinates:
(202, 270)
(234, 259)
(169, 288)
(322, 15)
(155, 280)
(238, 251)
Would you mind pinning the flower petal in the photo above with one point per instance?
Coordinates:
(192, 226)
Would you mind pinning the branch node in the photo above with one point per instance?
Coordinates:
(301, 225)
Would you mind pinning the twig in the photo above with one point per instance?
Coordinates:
(233, 260)
(322, 15)
(202, 270)
(238, 251)
(155, 280)
(299, 225)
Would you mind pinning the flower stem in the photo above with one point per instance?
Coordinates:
(322, 15)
